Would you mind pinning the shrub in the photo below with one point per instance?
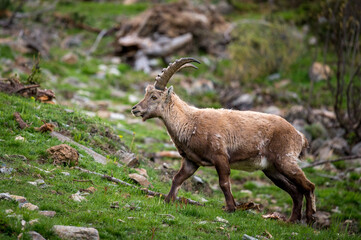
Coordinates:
(261, 48)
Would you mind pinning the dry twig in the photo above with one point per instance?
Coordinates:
(20, 121)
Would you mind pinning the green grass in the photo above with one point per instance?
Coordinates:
(148, 221)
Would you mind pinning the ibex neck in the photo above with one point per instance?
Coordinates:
(179, 119)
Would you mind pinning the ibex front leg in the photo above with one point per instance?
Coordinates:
(187, 169)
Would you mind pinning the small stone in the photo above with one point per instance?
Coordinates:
(23, 223)
(66, 173)
(8, 211)
(71, 232)
(319, 71)
(245, 191)
(32, 222)
(77, 197)
(70, 58)
(29, 206)
(130, 218)
(221, 220)
(48, 213)
(19, 199)
(128, 158)
(356, 150)
(120, 220)
(6, 170)
(35, 236)
(19, 138)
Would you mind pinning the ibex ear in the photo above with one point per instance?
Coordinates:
(169, 93)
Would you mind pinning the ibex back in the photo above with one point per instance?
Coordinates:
(229, 139)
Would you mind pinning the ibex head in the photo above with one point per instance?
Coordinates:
(157, 96)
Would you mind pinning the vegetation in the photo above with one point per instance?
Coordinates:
(265, 41)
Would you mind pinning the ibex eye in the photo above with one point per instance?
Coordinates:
(153, 97)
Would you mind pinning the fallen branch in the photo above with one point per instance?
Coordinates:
(20, 121)
(144, 190)
(332, 161)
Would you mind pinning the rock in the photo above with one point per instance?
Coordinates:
(316, 144)
(243, 102)
(66, 173)
(70, 58)
(29, 206)
(48, 213)
(247, 192)
(319, 71)
(198, 180)
(340, 146)
(128, 158)
(76, 233)
(8, 211)
(35, 236)
(9, 197)
(6, 170)
(273, 77)
(296, 112)
(272, 110)
(199, 86)
(221, 220)
(63, 154)
(77, 197)
(37, 182)
(32, 222)
(356, 149)
(120, 220)
(19, 138)
(322, 219)
(140, 179)
(117, 116)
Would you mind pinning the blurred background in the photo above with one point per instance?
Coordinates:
(299, 59)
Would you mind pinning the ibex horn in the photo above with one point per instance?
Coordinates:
(163, 78)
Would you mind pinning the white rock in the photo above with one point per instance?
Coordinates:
(77, 197)
(71, 232)
(8, 211)
(30, 206)
(19, 138)
(66, 173)
(117, 116)
(221, 220)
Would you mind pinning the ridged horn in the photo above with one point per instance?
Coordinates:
(163, 78)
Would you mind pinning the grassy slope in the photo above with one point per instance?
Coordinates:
(96, 212)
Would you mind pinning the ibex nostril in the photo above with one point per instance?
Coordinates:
(134, 107)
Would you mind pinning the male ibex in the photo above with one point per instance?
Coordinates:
(229, 139)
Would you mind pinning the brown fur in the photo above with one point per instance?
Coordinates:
(228, 139)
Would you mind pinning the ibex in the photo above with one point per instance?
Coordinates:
(229, 139)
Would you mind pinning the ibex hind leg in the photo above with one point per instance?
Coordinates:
(282, 182)
(290, 169)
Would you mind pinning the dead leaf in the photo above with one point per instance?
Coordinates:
(275, 215)
(46, 127)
